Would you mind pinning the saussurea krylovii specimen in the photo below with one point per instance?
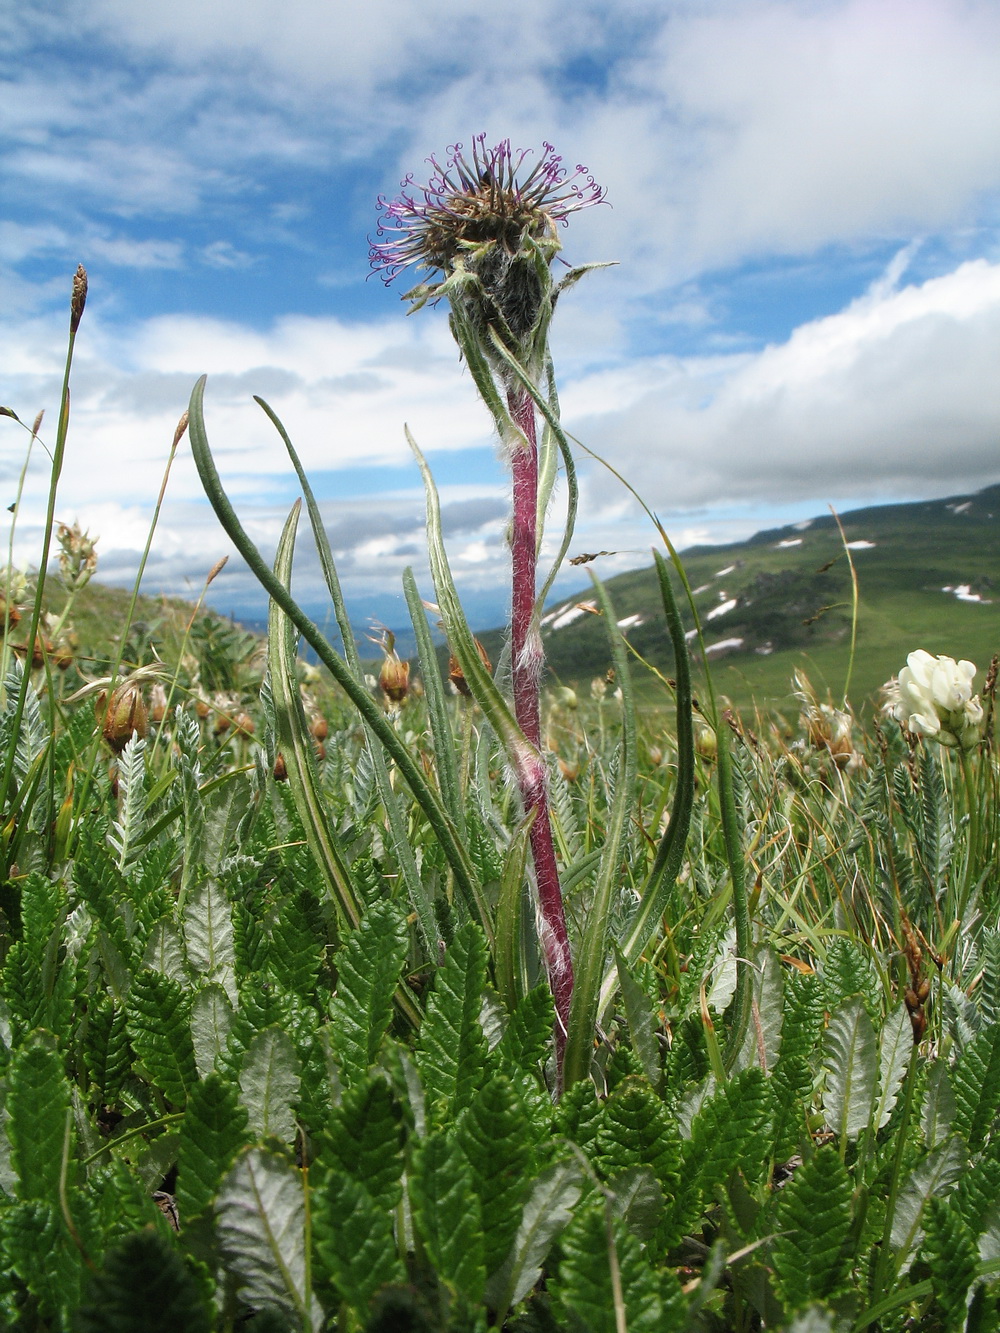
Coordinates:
(486, 225)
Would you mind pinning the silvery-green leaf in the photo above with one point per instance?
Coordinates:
(208, 934)
(547, 1210)
(895, 1049)
(723, 979)
(269, 1084)
(851, 1068)
(260, 1212)
(211, 1022)
(933, 1177)
(762, 1043)
(939, 1105)
(164, 952)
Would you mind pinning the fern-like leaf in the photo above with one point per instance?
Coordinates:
(447, 1215)
(495, 1136)
(950, 1252)
(158, 1016)
(131, 799)
(368, 971)
(451, 1053)
(144, 1287)
(636, 1131)
(605, 1282)
(975, 1082)
(214, 1128)
(813, 1219)
(38, 1102)
(354, 1241)
(364, 1135)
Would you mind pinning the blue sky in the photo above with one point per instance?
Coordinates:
(804, 214)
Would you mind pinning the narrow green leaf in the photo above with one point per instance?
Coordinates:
(813, 1219)
(851, 1065)
(261, 1219)
(269, 1084)
(368, 971)
(213, 1130)
(446, 1213)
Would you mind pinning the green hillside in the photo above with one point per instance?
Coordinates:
(783, 600)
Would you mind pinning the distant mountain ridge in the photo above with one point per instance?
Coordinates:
(929, 577)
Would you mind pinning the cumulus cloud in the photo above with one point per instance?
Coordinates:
(896, 395)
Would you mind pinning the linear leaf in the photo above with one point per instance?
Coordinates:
(851, 1068)
(269, 1084)
(261, 1217)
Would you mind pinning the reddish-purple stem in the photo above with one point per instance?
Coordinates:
(526, 670)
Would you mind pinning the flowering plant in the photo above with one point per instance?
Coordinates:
(932, 697)
(489, 228)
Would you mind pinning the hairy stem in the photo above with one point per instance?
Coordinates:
(526, 670)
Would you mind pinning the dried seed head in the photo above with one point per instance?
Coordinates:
(79, 298)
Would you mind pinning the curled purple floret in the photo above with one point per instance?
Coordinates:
(488, 195)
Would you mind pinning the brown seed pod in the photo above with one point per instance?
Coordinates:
(280, 768)
(121, 715)
(319, 727)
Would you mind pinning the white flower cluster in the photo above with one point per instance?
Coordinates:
(933, 697)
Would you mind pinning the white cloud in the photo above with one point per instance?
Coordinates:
(897, 394)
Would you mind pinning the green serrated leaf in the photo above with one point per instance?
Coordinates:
(451, 1052)
(38, 1106)
(813, 1218)
(728, 1132)
(950, 1252)
(937, 1117)
(159, 1032)
(144, 1287)
(364, 1135)
(38, 1249)
(368, 971)
(895, 1051)
(851, 1069)
(354, 1241)
(975, 1082)
(604, 1280)
(214, 1128)
(105, 1048)
(636, 1131)
(496, 1138)
(269, 1084)
(261, 1217)
(547, 1209)
(447, 1215)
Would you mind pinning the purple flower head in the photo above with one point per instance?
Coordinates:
(494, 201)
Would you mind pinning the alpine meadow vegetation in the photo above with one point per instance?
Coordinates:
(351, 1000)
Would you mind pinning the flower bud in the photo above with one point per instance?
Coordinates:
(121, 715)
(394, 678)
